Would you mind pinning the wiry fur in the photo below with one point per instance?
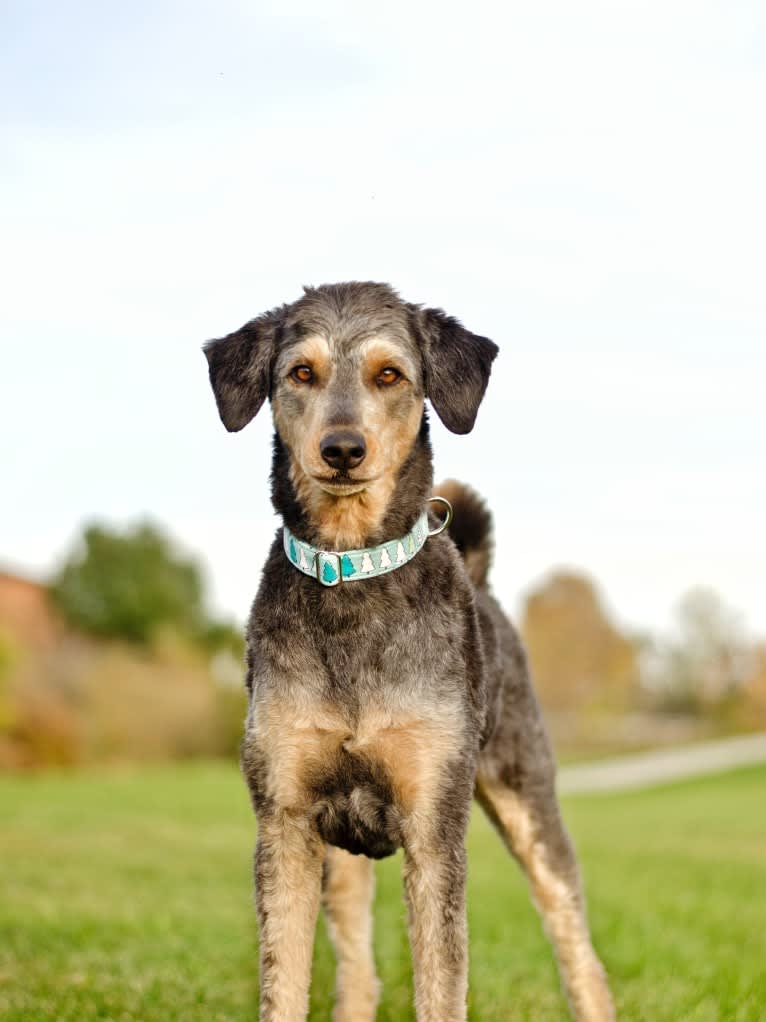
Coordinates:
(378, 708)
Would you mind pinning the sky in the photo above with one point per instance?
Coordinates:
(583, 183)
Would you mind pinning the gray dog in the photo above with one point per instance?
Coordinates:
(386, 685)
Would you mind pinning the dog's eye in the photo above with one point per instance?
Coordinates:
(302, 374)
(388, 376)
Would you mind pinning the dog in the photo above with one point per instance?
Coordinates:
(386, 686)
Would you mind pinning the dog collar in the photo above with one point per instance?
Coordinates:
(331, 567)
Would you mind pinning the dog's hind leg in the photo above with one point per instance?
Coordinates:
(348, 887)
(530, 824)
(288, 875)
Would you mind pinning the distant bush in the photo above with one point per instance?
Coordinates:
(703, 667)
(580, 659)
(149, 708)
(7, 713)
(134, 585)
(142, 672)
(129, 584)
(87, 701)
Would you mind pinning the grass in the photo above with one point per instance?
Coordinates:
(127, 896)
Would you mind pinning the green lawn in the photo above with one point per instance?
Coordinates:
(127, 896)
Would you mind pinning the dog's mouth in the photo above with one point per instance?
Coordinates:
(341, 485)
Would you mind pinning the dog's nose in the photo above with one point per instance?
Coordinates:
(343, 450)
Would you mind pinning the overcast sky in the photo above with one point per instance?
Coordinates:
(584, 183)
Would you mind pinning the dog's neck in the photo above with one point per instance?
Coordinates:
(373, 516)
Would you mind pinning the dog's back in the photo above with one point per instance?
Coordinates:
(514, 735)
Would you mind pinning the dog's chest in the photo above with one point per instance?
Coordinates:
(362, 640)
(358, 776)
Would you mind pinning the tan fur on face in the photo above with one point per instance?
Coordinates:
(560, 903)
(304, 413)
(344, 522)
(312, 351)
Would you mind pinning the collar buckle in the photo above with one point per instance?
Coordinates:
(328, 573)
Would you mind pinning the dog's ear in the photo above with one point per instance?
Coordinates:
(240, 369)
(456, 367)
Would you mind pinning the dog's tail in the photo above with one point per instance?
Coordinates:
(470, 528)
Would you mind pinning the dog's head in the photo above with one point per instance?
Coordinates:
(347, 368)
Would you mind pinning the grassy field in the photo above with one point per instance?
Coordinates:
(127, 896)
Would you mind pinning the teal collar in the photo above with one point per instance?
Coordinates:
(331, 567)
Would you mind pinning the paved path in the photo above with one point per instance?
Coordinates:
(650, 768)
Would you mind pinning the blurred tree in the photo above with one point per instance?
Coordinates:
(705, 663)
(714, 655)
(225, 636)
(753, 710)
(578, 655)
(130, 585)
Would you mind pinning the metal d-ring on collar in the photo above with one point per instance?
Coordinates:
(447, 517)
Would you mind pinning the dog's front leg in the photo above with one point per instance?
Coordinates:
(434, 879)
(288, 876)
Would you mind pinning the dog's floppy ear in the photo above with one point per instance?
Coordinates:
(240, 369)
(456, 365)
